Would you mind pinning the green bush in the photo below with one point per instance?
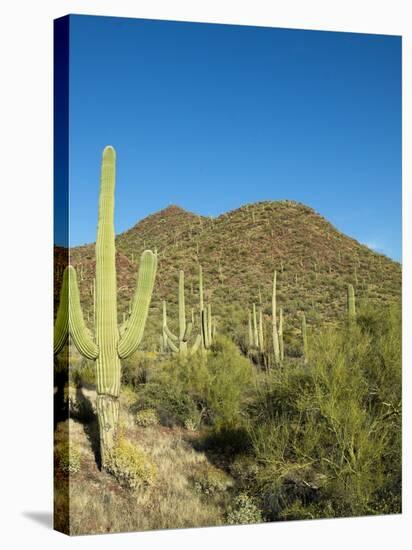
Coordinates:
(327, 437)
(83, 372)
(146, 417)
(209, 480)
(244, 511)
(131, 466)
(212, 389)
(68, 458)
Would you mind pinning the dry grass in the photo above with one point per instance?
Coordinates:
(99, 505)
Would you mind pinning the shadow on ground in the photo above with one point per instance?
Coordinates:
(42, 518)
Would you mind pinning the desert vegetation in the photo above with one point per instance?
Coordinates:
(255, 378)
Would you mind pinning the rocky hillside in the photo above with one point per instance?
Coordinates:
(239, 251)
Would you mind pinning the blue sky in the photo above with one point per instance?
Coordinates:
(210, 117)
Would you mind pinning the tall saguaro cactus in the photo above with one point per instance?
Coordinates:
(109, 345)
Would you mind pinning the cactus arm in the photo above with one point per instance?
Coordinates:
(351, 303)
(305, 339)
(61, 325)
(170, 334)
(188, 332)
(182, 307)
(164, 325)
(205, 331)
(77, 327)
(281, 346)
(196, 344)
(250, 331)
(200, 288)
(209, 322)
(261, 342)
(172, 346)
(131, 339)
(255, 328)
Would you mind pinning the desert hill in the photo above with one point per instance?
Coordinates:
(238, 251)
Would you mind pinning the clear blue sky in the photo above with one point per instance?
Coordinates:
(210, 117)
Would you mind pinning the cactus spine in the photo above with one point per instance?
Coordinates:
(109, 347)
(275, 334)
(351, 304)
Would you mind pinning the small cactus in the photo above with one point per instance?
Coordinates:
(275, 334)
(206, 319)
(304, 339)
(351, 307)
(281, 347)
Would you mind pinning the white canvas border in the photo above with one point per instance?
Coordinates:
(26, 282)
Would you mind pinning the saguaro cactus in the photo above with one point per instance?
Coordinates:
(351, 304)
(165, 345)
(281, 346)
(179, 344)
(205, 317)
(255, 327)
(304, 339)
(110, 344)
(275, 334)
(250, 331)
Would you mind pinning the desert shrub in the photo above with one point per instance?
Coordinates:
(131, 466)
(83, 372)
(136, 369)
(244, 468)
(209, 480)
(68, 458)
(212, 389)
(326, 436)
(244, 510)
(146, 417)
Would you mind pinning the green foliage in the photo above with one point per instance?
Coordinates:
(68, 457)
(212, 392)
(83, 373)
(244, 510)
(131, 466)
(146, 417)
(210, 480)
(326, 436)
